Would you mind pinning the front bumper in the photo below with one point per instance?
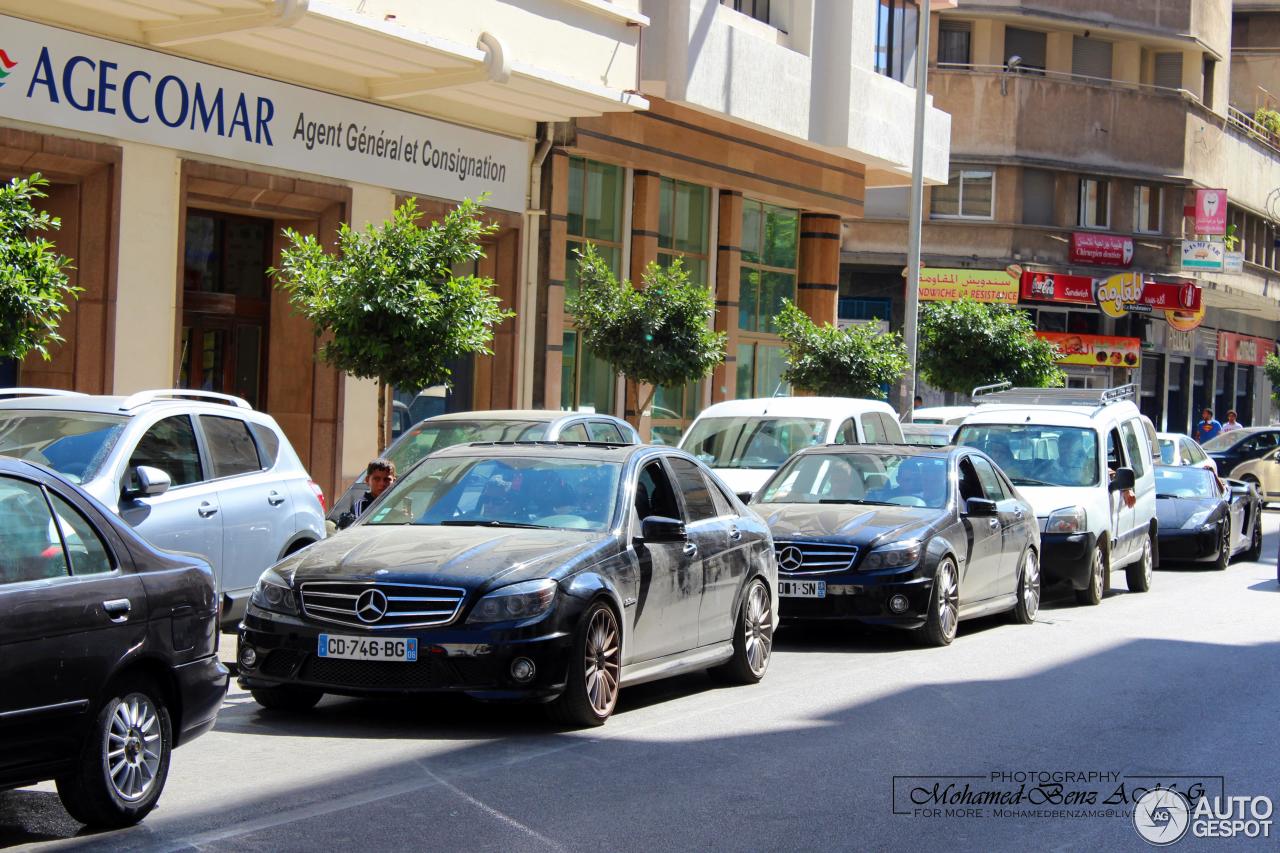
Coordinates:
(1067, 556)
(453, 659)
(202, 685)
(863, 597)
(1197, 544)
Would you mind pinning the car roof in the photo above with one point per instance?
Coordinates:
(942, 411)
(574, 450)
(113, 404)
(928, 429)
(1048, 415)
(895, 449)
(542, 415)
(812, 407)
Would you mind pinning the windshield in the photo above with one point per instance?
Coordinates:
(1186, 483)
(75, 444)
(1226, 440)
(927, 438)
(1037, 455)
(1168, 452)
(860, 478)
(511, 491)
(752, 442)
(428, 437)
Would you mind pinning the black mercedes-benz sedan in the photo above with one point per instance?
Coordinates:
(1204, 519)
(108, 649)
(912, 537)
(527, 570)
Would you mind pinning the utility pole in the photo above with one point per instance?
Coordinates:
(911, 324)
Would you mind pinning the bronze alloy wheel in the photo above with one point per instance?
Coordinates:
(602, 659)
(758, 630)
(948, 599)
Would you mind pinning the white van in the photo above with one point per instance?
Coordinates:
(1073, 454)
(744, 441)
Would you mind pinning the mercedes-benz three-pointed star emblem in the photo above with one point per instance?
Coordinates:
(790, 558)
(371, 605)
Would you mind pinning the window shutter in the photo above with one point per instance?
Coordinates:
(1169, 70)
(1028, 44)
(1091, 57)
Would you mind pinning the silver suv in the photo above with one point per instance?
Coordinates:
(189, 470)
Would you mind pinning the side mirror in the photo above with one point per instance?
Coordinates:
(151, 482)
(657, 528)
(981, 507)
(1122, 480)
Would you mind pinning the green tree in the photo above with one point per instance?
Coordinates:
(389, 301)
(1271, 367)
(854, 362)
(654, 335)
(964, 344)
(34, 287)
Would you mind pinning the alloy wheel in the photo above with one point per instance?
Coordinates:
(1031, 585)
(602, 661)
(1147, 561)
(134, 747)
(758, 630)
(948, 599)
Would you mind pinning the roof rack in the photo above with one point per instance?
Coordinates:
(135, 401)
(987, 389)
(545, 443)
(7, 393)
(1098, 398)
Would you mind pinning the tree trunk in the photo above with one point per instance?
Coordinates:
(382, 416)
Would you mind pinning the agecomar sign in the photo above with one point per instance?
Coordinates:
(64, 79)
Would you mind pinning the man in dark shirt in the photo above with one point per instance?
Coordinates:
(378, 477)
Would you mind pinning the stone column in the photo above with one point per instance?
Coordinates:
(728, 274)
(557, 231)
(818, 285)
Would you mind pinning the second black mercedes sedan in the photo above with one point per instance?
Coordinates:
(912, 537)
(1204, 519)
(528, 570)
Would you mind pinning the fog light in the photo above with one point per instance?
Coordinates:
(899, 604)
(248, 657)
(522, 669)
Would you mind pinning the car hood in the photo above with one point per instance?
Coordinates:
(1046, 499)
(856, 524)
(471, 557)
(1174, 512)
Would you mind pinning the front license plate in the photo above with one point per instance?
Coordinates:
(802, 589)
(367, 648)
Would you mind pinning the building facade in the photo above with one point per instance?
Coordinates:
(1086, 136)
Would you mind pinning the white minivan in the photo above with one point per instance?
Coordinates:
(744, 441)
(1083, 459)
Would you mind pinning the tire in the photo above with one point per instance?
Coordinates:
(1024, 612)
(286, 697)
(752, 639)
(1098, 569)
(595, 663)
(133, 730)
(1254, 554)
(1138, 575)
(1224, 547)
(943, 618)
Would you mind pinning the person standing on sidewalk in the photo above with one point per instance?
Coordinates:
(1208, 427)
(1232, 424)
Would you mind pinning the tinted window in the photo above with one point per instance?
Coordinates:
(724, 506)
(169, 445)
(89, 555)
(871, 428)
(574, 432)
(231, 447)
(1133, 448)
(890, 429)
(698, 503)
(970, 485)
(654, 495)
(1114, 460)
(991, 485)
(848, 433)
(1192, 452)
(75, 444)
(268, 444)
(32, 549)
(605, 431)
(764, 442)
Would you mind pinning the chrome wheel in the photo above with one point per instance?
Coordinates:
(1147, 561)
(133, 747)
(602, 660)
(758, 629)
(947, 599)
(1031, 586)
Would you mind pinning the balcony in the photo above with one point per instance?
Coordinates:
(1208, 20)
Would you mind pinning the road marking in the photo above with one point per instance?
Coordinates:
(489, 810)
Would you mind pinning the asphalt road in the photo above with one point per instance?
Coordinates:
(1177, 683)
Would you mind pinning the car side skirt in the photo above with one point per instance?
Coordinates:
(676, 664)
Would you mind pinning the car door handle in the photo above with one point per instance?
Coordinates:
(117, 609)
(994, 522)
(735, 534)
(275, 498)
(206, 509)
(690, 549)
(1017, 513)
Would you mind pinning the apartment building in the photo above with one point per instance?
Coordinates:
(1085, 136)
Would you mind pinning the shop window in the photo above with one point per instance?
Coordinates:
(969, 194)
(954, 38)
(1095, 206)
(1147, 202)
(864, 309)
(896, 22)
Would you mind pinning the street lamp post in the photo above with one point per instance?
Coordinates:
(909, 332)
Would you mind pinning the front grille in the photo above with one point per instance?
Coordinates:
(358, 604)
(428, 673)
(802, 557)
(280, 663)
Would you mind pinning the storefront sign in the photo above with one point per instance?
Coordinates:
(1206, 345)
(1057, 287)
(981, 285)
(1243, 349)
(1106, 249)
(1203, 255)
(64, 79)
(1178, 340)
(1128, 292)
(1095, 350)
(1185, 320)
(1233, 262)
(1211, 212)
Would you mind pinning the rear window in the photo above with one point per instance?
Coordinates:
(268, 444)
(75, 444)
(231, 447)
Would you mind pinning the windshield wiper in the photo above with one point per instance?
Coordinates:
(460, 522)
(1160, 495)
(854, 501)
(1027, 481)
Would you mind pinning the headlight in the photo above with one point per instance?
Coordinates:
(518, 601)
(272, 593)
(1069, 519)
(892, 556)
(1198, 519)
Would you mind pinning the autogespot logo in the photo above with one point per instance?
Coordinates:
(1161, 816)
(6, 66)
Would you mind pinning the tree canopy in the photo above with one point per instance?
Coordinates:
(858, 361)
(34, 287)
(964, 344)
